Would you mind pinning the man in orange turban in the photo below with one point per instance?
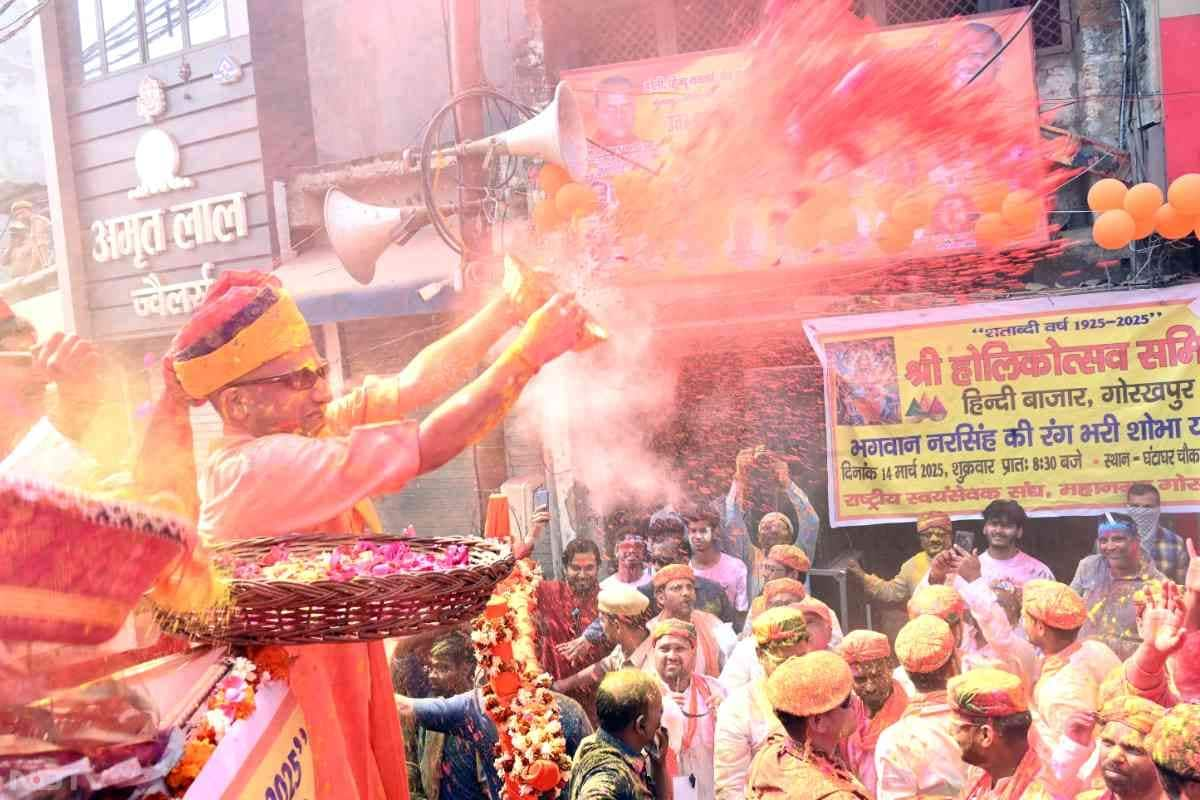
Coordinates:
(675, 591)
(991, 723)
(813, 698)
(783, 561)
(743, 664)
(747, 717)
(1129, 771)
(917, 755)
(1173, 746)
(869, 655)
(295, 459)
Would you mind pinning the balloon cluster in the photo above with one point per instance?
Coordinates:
(1128, 213)
(564, 200)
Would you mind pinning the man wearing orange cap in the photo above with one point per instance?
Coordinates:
(869, 655)
(813, 698)
(917, 755)
(690, 703)
(936, 533)
(991, 723)
(783, 561)
(746, 717)
(1129, 771)
(294, 459)
(675, 591)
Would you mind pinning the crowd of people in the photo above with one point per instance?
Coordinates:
(706, 669)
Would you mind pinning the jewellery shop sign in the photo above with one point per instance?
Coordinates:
(220, 219)
(1057, 403)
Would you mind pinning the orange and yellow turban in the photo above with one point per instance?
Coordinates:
(674, 627)
(779, 627)
(987, 692)
(246, 320)
(1135, 712)
(810, 684)
(812, 605)
(782, 586)
(937, 599)
(861, 646)
(673, 572)
(1054, 604)
(790, 556)
(934, 520)
(925, 644)
(1174, 743)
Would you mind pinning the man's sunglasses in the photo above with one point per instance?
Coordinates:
(301, 380)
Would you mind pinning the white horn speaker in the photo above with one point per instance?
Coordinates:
(555, 134)
(359, 232)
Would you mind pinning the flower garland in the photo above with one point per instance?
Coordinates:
(531, 754)
(231, 699)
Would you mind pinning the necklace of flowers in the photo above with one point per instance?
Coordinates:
(531, 752)
(231, 699)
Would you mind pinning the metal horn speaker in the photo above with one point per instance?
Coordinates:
(360, 232)
(554, 134)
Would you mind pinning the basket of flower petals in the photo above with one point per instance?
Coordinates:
(320, 588)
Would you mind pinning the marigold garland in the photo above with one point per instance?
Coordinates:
(531, 754)
(231, 699)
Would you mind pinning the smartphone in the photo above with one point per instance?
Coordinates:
(965, 540)
(541, 499)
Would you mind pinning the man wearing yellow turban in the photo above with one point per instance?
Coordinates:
(747, 717)
(1129, 771)
(295, 459)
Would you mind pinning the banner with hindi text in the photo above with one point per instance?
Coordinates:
(1057, 403)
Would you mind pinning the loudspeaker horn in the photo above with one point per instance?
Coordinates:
(360, 232)
(555, 134)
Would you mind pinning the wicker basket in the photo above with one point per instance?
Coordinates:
(286, 612)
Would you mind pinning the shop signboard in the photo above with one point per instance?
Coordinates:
(1058, 403)
(634, 111)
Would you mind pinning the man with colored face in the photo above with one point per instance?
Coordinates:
(1125, 762)
(709, 562)
(1172, 745)
(935, 531)
(1109, 580)
(632, 569)
(675, 591)
(567, 607)
(783, 561)
(690, 703)
(294, 459)
(746, 718)
(813, 698)
(869, 655)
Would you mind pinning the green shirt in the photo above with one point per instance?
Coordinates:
(605, 769)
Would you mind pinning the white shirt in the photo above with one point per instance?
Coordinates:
(614, 580)
(744, 722)
(1018, 570)
(697, 760)
(742, 666)
(918, 754)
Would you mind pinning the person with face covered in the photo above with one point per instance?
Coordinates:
(1129, 771)
(690, 704)
(812, 696)
(294, 459)
(1162, 547)
(917, 755)
(746, 718)
(936, 533)
(869, 655)
(675, 591)
(1172, 746)
(1108, 582)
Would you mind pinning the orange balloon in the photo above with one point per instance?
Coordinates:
(574, 199)
(1107, 194)
(1022, 209)
(989, 195)
(892, 237)
(839, 226)
(1145, 227)
(1114, 229)
(1171, 224)
(545, 216)
(1143, 200)
(991, 230)
(914, 209)
(1184, 193)
(551, 178)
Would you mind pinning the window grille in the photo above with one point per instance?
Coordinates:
(119, 34)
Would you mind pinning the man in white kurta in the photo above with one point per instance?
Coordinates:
(746, 718)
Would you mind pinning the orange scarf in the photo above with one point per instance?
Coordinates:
(1056, 662)
(891, 711)
(1024, 775)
